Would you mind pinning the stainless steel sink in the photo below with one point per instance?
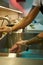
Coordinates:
(9, 40)
(3, 41)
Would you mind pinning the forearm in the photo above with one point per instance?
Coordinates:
(27, 20)
(34, 40)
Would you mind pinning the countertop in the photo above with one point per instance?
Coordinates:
(19, 61)
(34, 28)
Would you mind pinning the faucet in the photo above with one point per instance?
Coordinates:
(5, 18)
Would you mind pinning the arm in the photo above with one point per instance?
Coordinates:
(38, 39)
(28, 19)
(16, 47)
(24, 22)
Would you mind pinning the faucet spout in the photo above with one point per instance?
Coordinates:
(5, 18)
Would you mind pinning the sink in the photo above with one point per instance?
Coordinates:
(3, 40)
(8, 40)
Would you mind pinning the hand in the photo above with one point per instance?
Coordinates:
(15, 49)
(17, 46)
(5, 29)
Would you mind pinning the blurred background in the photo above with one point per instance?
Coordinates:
(27, 4)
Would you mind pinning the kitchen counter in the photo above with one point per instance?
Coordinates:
(19, 61)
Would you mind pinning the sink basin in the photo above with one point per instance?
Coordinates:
(7, 40)
(3, 40)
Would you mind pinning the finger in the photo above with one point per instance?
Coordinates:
(13, 48)
(19, 49)
(1, 27)
(1, 30)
